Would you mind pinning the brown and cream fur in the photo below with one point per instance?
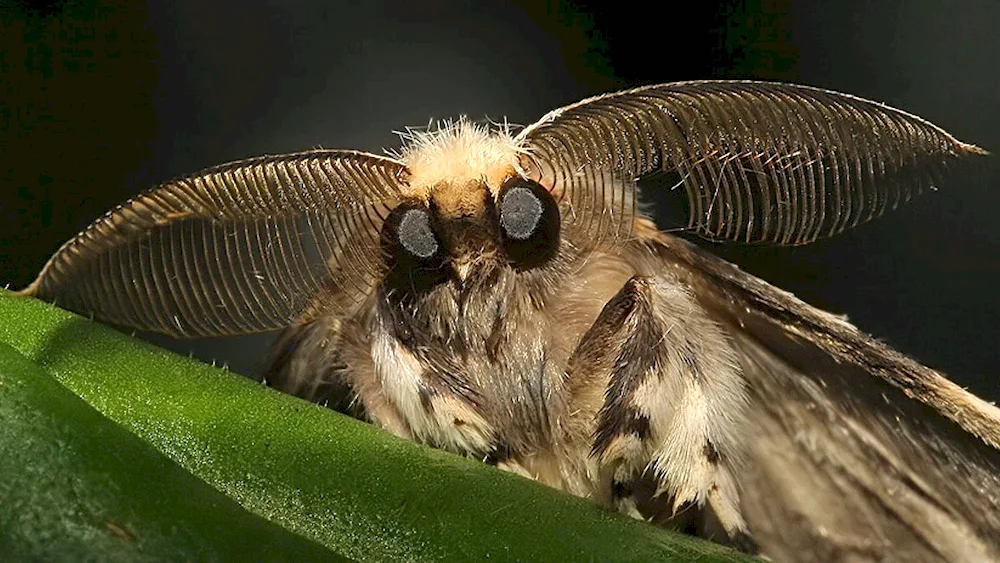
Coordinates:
(517, 366)
(503, 297)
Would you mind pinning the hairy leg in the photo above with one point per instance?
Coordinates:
(672, 404)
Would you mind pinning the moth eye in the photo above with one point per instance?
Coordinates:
(520, 212)
(413, 251)
(529, 222)
(415, 233)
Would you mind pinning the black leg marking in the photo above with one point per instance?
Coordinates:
(744, 542)
(624, 340)
(667, 369)
(498, 454)
(426, 395)
(621, 489)
(711, 454)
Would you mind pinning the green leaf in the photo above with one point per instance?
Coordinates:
(77, 486)
(341, 483)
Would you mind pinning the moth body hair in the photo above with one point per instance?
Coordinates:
(507, 296)
(450, 161)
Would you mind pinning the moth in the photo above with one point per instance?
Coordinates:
(506, 297)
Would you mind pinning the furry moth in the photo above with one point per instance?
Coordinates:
(505, 297)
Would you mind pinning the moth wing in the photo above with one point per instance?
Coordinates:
(305, 361)
(244, 247)
(856, 451)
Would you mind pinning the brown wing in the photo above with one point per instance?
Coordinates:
(753, 161)
(857, 452)
(243, 247)
(306, 361)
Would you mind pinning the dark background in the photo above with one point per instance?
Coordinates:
(99, 100)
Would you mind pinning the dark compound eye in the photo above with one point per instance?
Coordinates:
(520, 212)
(415, 233)
(413, 252)
(529, 222)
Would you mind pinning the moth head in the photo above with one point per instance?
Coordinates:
(467, 207)
(462, 227)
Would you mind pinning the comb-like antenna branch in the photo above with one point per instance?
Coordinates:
(239, 248)
(758, 161)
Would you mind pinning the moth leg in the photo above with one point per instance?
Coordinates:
(307, 361)
(672, 404)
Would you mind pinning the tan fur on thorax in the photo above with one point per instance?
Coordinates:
(458, 162)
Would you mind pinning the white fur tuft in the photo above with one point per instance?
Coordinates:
(458, 151)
